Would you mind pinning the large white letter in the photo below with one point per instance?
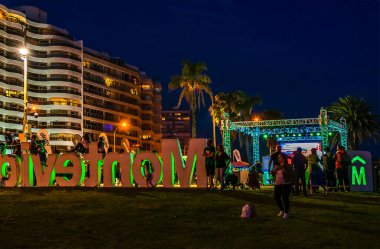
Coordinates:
(94, 158)
(14, 177)
(173, 162)
(156, 167)
(110, 161)
(44, 175)
(62, 167)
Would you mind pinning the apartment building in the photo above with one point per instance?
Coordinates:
(54, 76)
(177, 124)
(151, 107)
(112, 91)
(74, 90)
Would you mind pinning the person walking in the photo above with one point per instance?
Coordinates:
(283, 174)
(342, 162)
(300, 164)
(209, 154)
(221, 160)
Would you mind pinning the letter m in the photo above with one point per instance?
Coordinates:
(357, 179)
(173, 163)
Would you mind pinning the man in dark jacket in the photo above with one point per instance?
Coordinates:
(300, 164)
(329, 169)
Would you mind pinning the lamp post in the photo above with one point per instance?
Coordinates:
(24, 56)
(114, 135)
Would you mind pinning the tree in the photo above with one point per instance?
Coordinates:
(194, 82)
(361, 122)
(271, 114)
(237, 104)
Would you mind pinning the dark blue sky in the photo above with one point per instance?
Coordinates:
(297, 55)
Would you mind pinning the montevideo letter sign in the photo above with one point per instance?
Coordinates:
(68, 170)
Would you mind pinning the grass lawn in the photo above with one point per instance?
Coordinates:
(159, 218)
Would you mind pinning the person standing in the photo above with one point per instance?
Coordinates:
(33, 145)
(259, 171)
(17, 150)
(274, 158)
(283, 174)
(312, 164)
(209, 154)
(300, 164)
(342, 162)
(329, 169)
(101, 148)
(221, 160)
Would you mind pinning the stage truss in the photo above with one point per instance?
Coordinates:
(285, 130)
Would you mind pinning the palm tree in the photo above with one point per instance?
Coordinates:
(361, 122)
(271, 114)
(193, 81)
(237, 104)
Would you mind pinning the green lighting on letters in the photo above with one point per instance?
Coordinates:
(358, 179)
(358, 158)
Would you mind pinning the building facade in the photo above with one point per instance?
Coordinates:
(74, 90)
(111, 97)
(177, 124)
(54, 77)
(151, 107)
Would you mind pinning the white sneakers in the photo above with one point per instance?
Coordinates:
(283, 215)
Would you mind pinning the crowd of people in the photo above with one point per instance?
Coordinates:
(216, 163)
(297, 168)
(289, 173)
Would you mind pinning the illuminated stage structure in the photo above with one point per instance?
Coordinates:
(285, 130)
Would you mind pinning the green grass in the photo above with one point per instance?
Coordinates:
(159, 218)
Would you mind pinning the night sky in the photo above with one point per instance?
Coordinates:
(297, 55)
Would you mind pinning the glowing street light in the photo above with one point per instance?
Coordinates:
(24, 56)
(23, 51)
(123, 125)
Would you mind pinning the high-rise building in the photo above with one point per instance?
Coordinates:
(151, 114)
(54, 76)
(177, 124)
(111, 97)
(75, 90)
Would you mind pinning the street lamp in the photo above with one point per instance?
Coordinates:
(123, 125)
(24, 56)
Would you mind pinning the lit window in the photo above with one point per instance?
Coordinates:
(11, 94)
(86, 64)
(163, 119)
(177, 114)
(108, 81)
